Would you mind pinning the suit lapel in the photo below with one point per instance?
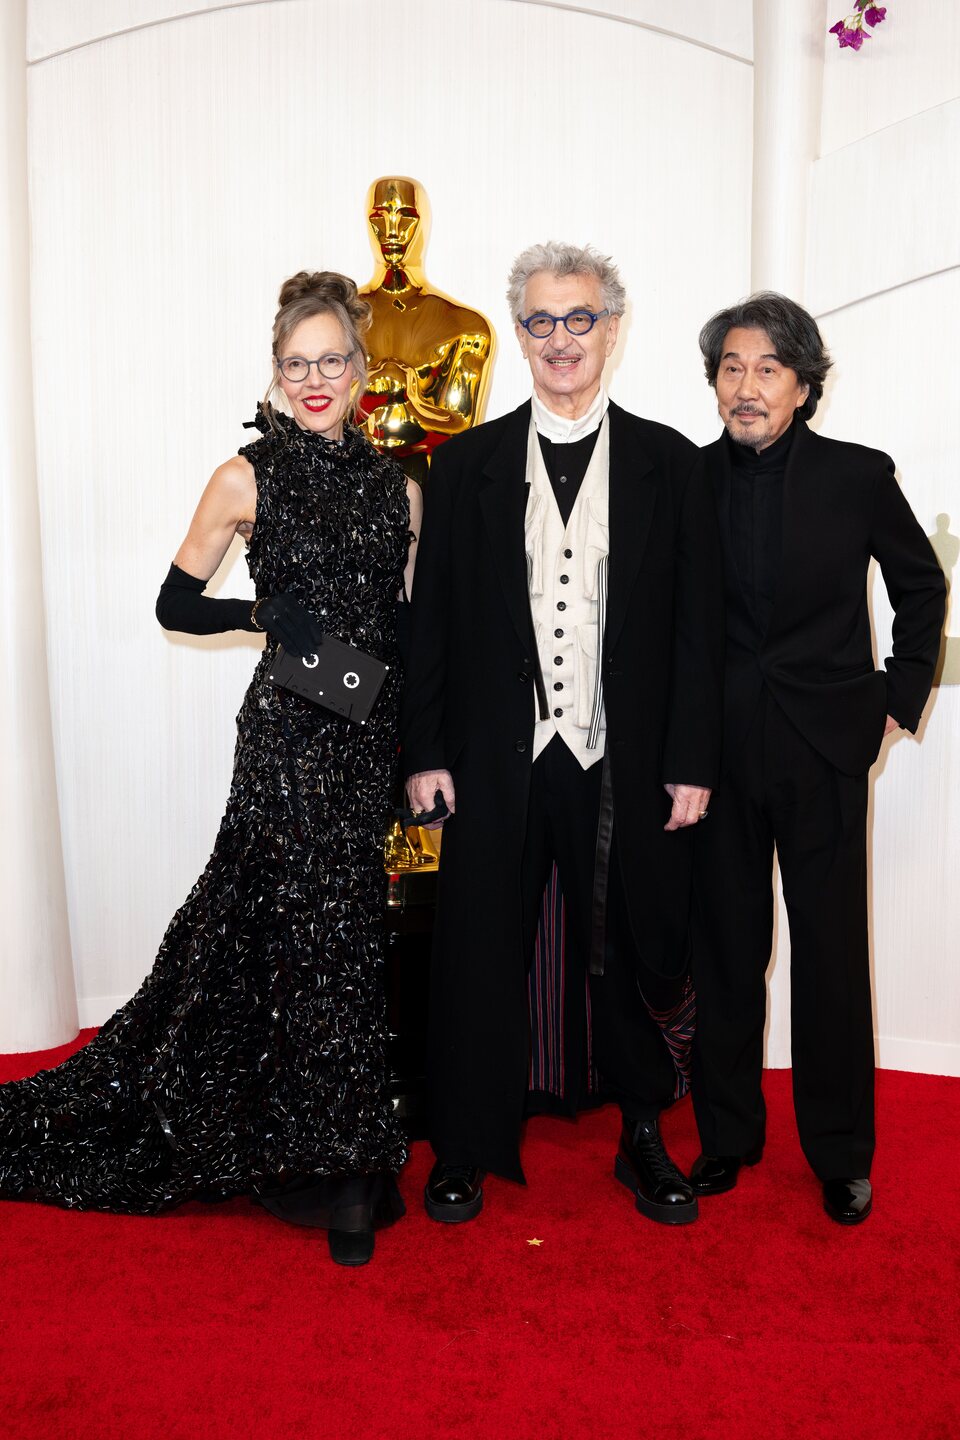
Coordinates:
(503, 504)
(631, 512)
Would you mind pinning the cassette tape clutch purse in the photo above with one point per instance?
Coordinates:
(339, 677)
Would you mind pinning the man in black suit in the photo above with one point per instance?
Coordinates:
(805, 711)
(563, 696)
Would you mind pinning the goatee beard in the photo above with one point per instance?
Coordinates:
(750, 439)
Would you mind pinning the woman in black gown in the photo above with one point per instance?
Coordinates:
(252, 1060)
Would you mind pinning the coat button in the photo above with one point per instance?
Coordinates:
(563, 479)
(564, 579)
(568, 554)
(520, 746)
(523, 674)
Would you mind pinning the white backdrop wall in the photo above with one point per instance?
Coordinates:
(181, 164)
(184, 157)
(884, 278)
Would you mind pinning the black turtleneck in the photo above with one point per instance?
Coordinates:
(756, 519)
(566, 465)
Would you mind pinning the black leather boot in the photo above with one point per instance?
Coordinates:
(643, 1165)
(454, 1193)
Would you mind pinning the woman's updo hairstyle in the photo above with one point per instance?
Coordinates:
(321, 292)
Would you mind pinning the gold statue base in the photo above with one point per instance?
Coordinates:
(410, 848)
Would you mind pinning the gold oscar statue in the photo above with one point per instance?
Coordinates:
(428, 366)
(428, 356)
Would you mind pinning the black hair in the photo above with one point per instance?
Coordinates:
(796, 340)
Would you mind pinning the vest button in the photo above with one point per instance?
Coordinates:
(559, 634)
(568, 554)
(564, 579)
(558, 659)
(561, 604)
(558, 713)
(558, 684)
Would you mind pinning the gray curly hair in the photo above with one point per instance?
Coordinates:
(559, 259)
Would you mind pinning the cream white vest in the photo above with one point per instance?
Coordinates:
(566, 567)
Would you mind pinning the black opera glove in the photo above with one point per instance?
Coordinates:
(288, 621)
(182, 605)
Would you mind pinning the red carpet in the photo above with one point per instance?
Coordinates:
(763, 1320)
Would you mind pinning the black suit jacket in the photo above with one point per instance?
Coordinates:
(469, 708)
(841, 506)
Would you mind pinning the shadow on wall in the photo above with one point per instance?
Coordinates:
(946, 547)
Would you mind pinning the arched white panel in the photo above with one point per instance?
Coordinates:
(57, 25)
(885, 210)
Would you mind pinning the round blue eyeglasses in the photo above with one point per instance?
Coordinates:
(577, 322)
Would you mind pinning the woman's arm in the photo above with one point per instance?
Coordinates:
(227, 505)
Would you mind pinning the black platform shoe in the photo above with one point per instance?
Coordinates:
(662, 1192)
(453, 1193)
(715, 1174)
(350, 1247)
(849, 1202)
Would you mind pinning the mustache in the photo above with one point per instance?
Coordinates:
(749, 410)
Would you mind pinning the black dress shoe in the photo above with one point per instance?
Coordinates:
(715, 1174)
(454, 1193)
(643, 1165)
(350, 1247)
(849, 1202)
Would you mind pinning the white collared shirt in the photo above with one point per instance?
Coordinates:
(563, 431)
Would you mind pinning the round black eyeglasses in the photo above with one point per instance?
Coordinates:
(295, 368)
(577, 322)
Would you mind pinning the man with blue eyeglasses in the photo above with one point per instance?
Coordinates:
(563, 704)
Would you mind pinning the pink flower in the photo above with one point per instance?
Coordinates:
(853, 38)
(850, 32)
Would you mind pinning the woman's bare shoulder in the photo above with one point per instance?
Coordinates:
(235, 476)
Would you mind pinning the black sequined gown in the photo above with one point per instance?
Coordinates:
(251, 1060)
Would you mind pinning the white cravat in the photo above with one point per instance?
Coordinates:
(563, 431)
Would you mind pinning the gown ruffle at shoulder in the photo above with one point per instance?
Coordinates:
(252, 1058)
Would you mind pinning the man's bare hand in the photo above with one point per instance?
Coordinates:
(422, 793)
(891, 725)
(690, 804)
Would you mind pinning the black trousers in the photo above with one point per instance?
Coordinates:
(780, 793)
(628, 1047)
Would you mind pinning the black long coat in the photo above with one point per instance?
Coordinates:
(469, 708)
(841, 506)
